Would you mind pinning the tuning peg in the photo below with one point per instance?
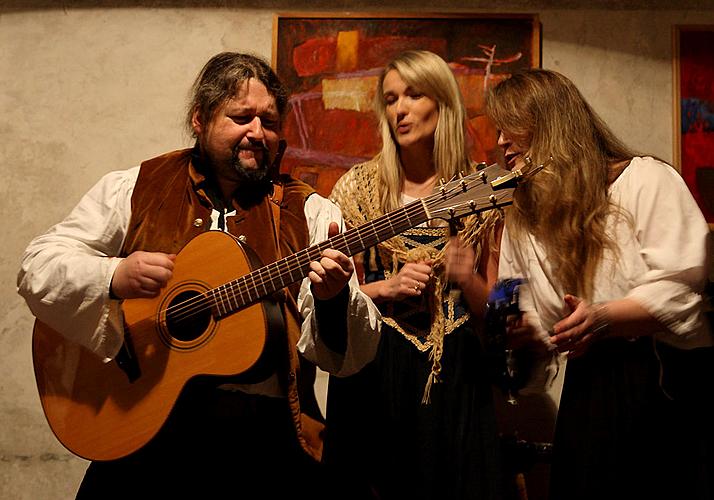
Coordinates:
(483, 177)
(494, 202)
(478, 219)
(481, 165)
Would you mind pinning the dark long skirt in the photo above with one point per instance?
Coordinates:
(384, 443)
(623, 434)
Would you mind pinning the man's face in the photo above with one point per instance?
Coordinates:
(241, 140)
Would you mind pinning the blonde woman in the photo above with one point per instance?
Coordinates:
(613, 247)
(418, 421)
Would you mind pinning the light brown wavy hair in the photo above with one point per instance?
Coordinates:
(566, 205)
(428, 74)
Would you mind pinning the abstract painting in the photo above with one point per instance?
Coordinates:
(694, 112)
(331, 64)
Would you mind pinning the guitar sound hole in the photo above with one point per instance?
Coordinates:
(188, 316)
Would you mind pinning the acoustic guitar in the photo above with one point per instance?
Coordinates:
(210, 319)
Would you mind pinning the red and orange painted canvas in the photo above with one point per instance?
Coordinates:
(694, 77)
(331, 65)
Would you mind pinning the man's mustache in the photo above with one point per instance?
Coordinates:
(258, 147)
(273, 166)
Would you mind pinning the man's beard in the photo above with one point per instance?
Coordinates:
(254, 176)
(254, 183)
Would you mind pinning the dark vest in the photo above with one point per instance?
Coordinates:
(170, 206)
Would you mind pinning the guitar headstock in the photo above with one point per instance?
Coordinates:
(488, 188)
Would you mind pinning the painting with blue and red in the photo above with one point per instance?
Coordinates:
(696, 91)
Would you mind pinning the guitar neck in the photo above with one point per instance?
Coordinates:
(488, 188)
(265, 281)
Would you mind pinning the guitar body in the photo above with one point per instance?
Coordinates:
(101, 411)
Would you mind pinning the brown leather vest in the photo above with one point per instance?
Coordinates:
(170, 207)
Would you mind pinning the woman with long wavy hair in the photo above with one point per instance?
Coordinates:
(614, 251)
(418, 422)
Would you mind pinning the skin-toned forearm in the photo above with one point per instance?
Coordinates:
(627, 318)
(623, 317)
(587, 322)
(475, 292)
(372, 290)
(475, 280)
(410, 281)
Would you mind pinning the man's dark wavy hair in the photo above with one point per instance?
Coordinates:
(220, 77)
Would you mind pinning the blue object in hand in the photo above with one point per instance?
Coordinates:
(502, 302)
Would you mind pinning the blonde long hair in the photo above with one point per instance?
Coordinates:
(566, 205)
(428, 74)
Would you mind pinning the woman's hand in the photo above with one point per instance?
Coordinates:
(460, 261)
(576, 332)
(410, 281)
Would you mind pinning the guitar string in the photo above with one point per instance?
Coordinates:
(197, 305)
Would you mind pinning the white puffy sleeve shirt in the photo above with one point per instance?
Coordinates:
(66, 273)
(661, 264)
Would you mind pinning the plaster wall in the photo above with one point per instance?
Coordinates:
(85, 90)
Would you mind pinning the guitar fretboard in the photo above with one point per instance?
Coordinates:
(265, 281)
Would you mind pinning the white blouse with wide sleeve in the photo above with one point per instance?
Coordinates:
(661, 262)
(66, 273)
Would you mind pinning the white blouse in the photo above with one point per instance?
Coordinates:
(661, 263)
